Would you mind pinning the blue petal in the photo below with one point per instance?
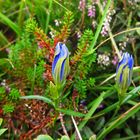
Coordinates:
(64, 55)
(54, 63)
(62, 70)
(125, 59)
(60, 52)
(121, 76)
(64, 51)
(130, 62)
(122, 61)
(129, 78)
(57, 53)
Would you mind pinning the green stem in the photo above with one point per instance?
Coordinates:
(61, 6)
(121, 119)
(48, 17)
(121, 99)
(33, 81)
(114, 44)
(110, 34)
(56, 102)
(93, 43)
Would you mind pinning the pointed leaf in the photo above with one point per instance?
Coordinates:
(2, 131)
(38, 97)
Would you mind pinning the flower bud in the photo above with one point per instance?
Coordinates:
(60, 65)
(124, 73)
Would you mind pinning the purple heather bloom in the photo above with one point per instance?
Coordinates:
(91, 11)
(82, 5)
(115, 60)
(60, 65)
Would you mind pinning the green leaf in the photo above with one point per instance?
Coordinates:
(70, 112)
(14, 94)
(95, 105)
(138, 30)
(119, 121)
(3, 39)
(100, 25)
(53, 91)
(38, 97)
(1, 120)
(92, 137)
(87, 131)
(10, 23)
(48, 17)
(43, 137)
(8, 108)
(129, 96)
(2, 131)
(65, 138)
(132, 94)
(4, 61)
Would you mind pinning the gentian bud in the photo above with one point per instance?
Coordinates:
(60, 65)
(124, 73)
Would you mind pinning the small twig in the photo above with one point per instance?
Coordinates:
(114, 44)
(121, 98)
(62, 121)
(117, 34)
(75, 125)
(62, 124)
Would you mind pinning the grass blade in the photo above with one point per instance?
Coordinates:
(38, 97)
(3, 39)
(70, 112)
(11, 24)
(131, 94)
(100, 24)
(96, 103)
(2, 130)
(48, 17)
(119, 121)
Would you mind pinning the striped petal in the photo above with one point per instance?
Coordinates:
(124, 72)
(59, 65)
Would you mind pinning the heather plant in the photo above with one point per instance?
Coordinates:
(69, 69)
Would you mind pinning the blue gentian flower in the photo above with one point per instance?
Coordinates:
(60, 65)
(124, 72)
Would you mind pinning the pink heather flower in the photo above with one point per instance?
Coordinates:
(82, 5)
(103, 60)
(91, 11)
(7, 50)
(115, 60)
(57, 22)
(79, 34)
(107, 22)
(93, 24)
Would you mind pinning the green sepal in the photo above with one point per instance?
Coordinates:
(53, 91)
(121, 86)
(57, 72)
